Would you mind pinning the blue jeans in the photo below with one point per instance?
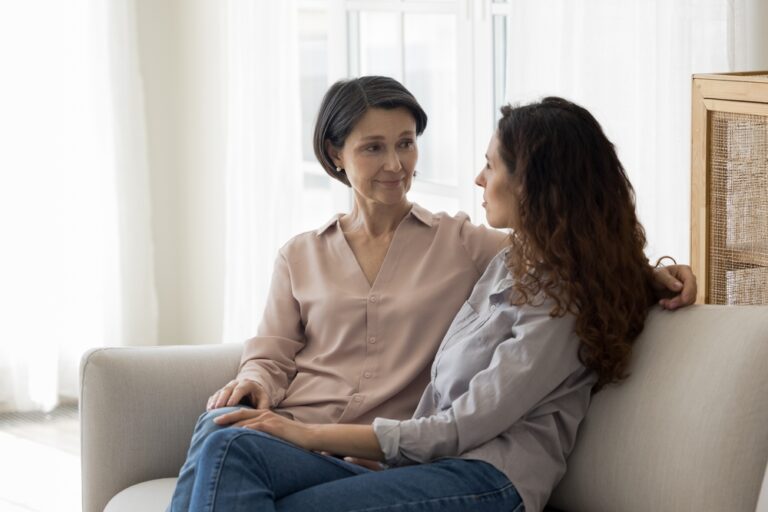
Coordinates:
(239, 469)
(204, 427)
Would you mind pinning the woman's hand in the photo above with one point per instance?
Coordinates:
(237, 389)
(675, 286)
(358, 441)
(269, 423)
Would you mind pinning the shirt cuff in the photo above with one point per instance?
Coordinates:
(388, 433)
(275, 395)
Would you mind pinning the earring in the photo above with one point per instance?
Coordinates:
(339, 169)
(415, 173)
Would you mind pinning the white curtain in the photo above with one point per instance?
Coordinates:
(263, 169)
(630, 63)
(75, 254)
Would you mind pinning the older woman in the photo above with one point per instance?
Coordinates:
(357, 309)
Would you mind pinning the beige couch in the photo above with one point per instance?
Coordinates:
(687, 432)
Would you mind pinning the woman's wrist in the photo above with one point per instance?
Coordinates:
(314, 437)
(353, 440)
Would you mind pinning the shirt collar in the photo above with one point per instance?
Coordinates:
(422, 214)
(332, 222)
(417, 212)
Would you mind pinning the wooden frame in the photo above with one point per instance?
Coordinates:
(741, 93)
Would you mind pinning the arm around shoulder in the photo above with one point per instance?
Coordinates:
(480, 243)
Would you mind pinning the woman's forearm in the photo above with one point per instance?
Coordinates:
(351, 440)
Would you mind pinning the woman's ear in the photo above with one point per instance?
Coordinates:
(334, 153)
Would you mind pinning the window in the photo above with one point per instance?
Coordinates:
(424, 44)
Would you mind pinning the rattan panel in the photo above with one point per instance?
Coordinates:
(738, 224)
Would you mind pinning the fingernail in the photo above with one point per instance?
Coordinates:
(678, 284)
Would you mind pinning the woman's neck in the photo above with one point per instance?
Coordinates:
(374, 219)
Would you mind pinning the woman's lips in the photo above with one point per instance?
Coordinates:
(390, 183)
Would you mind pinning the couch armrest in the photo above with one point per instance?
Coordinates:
(138, 407)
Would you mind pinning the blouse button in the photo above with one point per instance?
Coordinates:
(372, 340)
(367, 375)
(372, 298)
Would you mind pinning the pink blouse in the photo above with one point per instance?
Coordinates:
(333, 348)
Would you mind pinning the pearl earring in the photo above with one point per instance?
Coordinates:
(339, 169)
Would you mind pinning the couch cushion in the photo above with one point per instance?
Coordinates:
(150, 496)
(688, 431)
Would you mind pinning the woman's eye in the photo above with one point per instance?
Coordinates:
(407, 144)
(372, 148)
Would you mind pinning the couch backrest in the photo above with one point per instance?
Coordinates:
(688, 431)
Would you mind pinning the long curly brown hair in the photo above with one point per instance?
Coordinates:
(578, 240)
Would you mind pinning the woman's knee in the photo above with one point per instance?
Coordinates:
(219, 439)
(205, 424)
(240, 441)
(235, 445)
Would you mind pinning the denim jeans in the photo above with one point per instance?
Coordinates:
(238, 469)
(204, 427)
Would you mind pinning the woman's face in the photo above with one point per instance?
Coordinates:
(501, 194)
(379, 155)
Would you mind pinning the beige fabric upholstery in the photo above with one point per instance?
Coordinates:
(138, 408)
(687, 432)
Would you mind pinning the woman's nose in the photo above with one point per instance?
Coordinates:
(480, 180)
(393, 162)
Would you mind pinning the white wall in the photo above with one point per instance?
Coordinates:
(181, 66)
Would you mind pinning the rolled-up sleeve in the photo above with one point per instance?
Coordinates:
(388, 433)
(268, 358)
(526, 366)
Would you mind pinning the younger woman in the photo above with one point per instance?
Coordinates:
(552, 318)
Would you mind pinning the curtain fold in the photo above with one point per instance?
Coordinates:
(131, 296)
(263, 169)
(75, 261)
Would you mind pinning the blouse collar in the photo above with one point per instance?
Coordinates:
(417, 212)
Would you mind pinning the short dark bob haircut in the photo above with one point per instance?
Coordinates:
(347, 101)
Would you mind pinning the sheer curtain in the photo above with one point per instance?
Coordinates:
(630, 63)
(263, 169)
(74, 261)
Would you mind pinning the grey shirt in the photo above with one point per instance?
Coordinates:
(506, 387)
